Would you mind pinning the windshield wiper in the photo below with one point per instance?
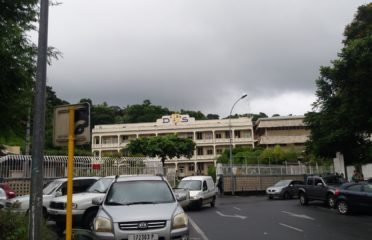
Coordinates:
(96, 190)
(135, 203)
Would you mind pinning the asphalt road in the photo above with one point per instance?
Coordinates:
(258, 218)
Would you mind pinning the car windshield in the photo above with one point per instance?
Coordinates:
(282, 183)
(190, 184)
(139, 192)
(51, 187)
(101, 185)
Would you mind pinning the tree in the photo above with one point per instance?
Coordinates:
(145, 112)
(17, 64)
(195, 114)
(213, 116)
(163, 147)
(341, 120)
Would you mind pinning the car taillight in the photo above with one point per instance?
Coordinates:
(337, 192)
(11, 194)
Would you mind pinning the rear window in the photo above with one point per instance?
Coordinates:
(139, 192)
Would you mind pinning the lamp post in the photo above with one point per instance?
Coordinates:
(231, 134)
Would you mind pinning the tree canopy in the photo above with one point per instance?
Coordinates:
(17, 63)
(342, 116)
(163, 147)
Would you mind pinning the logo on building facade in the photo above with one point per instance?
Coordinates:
(175, 119)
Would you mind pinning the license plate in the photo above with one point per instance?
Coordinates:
(144, 236)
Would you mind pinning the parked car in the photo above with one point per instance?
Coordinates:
(10, 193)
(53, 189)
(354, 196)
(201, 189)
(3, 198)
(83, 211)
(285, 189)
(140, 207)
(320, 188)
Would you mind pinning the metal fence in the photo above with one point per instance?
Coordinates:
(247, 170)
(19, 166)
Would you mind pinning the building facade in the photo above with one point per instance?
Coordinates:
(211, 137)
(288, 131)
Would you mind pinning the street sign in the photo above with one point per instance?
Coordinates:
(81, 124)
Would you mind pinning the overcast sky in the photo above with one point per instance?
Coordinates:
(196, 54)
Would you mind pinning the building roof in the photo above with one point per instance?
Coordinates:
(289, 121)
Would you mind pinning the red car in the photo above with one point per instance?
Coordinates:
(10, 193)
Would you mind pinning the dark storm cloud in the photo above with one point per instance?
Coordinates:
(196, 54)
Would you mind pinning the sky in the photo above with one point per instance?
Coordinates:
(196, 54)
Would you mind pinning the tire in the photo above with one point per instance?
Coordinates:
(303, 199)
(199, 204)
(330, 201)
(213, 203)
(286, 195)
(343, 207)
(88, 219)
(270, 197)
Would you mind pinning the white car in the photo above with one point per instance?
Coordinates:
(2, 198)
(53, 189)
(83, 211)
(201, 190)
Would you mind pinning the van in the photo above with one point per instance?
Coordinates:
(201, 189)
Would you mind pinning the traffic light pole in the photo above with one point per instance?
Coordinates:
(36, 195)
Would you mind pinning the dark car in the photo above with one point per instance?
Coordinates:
(354, 196)
(10, 193)
(284, 189)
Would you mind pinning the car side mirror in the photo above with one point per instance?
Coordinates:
(291, 185)
(180, 197)
(320, 184)
(97, 201)
(58, 193)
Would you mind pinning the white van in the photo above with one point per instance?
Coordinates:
(201, 188)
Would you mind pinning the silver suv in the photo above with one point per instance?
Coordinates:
(140, 207)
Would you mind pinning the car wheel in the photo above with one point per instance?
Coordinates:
(343, 207)
(200, 203)
(88, 219)
(213, 203)
(330, 201)
(270, 197)
(303, 199)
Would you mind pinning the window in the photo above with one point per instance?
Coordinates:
(205, 187)
(191, 167)
(200, 151)
(227, 134)
(199, 135)
(355, 188)
(368, 188)
(209, 151)
(219, 151)
(97, 140)
(309, 181)
(317, 181)
(237, 134)
(218, 135)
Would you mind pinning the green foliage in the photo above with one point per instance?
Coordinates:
(17, 64)
(164, 147)
(212, 172)
(342, 120)
(145, 112)
(213, 116)
(14, 226)
(276, 155)
(195, 114)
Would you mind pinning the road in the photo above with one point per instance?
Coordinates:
(257, 218)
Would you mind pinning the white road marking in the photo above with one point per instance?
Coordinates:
(298, 215)
(237, 208)
(233, 216)
(197, 228)
(285, 225)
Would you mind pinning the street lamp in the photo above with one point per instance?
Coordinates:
(231, 134)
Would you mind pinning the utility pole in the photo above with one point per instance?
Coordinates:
(37, 173)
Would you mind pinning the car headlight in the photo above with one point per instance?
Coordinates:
(180, 221)
(102, 224)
